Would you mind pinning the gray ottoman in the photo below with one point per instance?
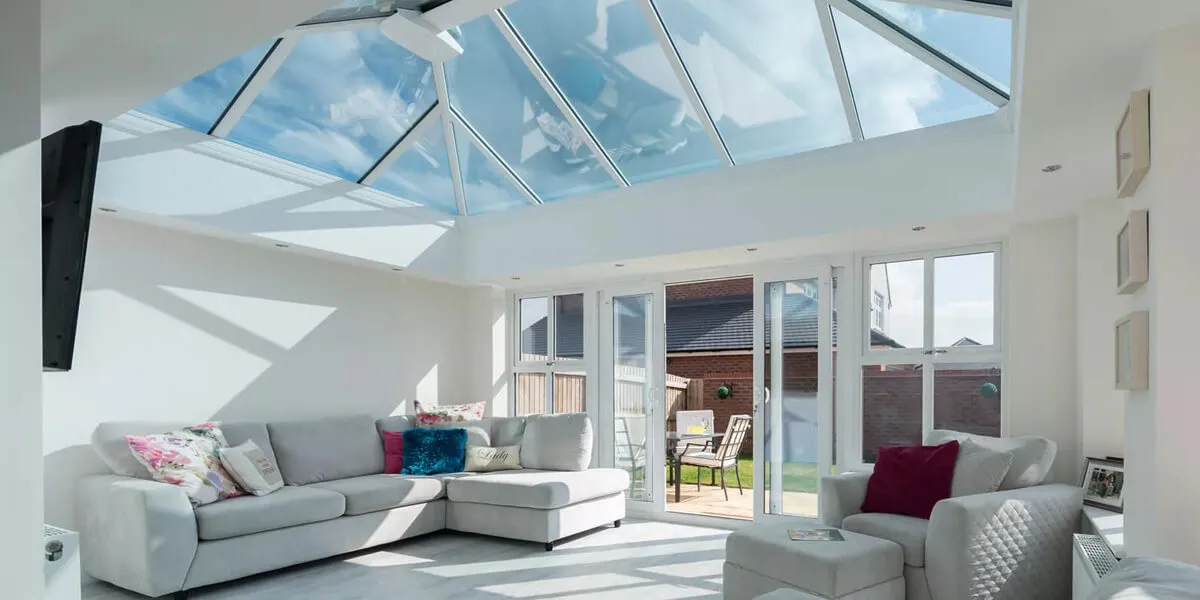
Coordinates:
(761, 558)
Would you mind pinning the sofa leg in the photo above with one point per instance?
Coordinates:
(617, 524)
(181, 595)
(549, 546)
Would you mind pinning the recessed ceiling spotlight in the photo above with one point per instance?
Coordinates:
(1051, 168)
(281, 245)
(919, 228)
(397, 268)
(751, 249)
(619, 265)
(515, 278)
(107, 210)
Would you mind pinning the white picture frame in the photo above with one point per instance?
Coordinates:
(1131, 335)
(1133, 252)
(1133, 144)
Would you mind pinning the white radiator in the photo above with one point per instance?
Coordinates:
(61, 564)
(1092, 560)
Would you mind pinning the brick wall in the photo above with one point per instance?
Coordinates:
(742, 286)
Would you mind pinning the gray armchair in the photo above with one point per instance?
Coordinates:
(1011, 544)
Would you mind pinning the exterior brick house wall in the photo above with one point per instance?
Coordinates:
(891, 398)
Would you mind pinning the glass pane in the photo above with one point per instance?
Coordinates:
(964, 300)
(631, 385)
(568, 327)
(422, 173)
(979, 42)
(533, 328)
(339, 102)
(608, 62)
(349, 10)
(197, 104)
(486, 189)
(531, 394)
(499, 96)
(790, 335)
(764, 107)
(966, 397)
(891, 407)
(897, 302)
(896, 92)
(570, 391)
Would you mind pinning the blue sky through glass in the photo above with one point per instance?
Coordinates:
(978, 42)
(339, 102)
(501, 99)
(606, 59)
(764, 73)
(422, 173)
(486, 189)
(198, 103)
(896, 92)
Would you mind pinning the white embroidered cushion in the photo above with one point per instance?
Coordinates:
(252, 468)
(484, 458)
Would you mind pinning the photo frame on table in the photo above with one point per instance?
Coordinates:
(1133, 144)
(1132, 337)
(1103, 483)
(1133, 252)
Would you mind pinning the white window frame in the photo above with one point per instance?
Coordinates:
(850, 431)
(548, 367)
(877, 301)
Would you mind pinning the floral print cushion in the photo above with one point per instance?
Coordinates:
(429, 416)
(188, 458)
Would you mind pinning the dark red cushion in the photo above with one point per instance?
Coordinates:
(393, 451)
(909, 480)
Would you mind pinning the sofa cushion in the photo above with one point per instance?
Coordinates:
(1142, 578)
(557, 442)
(289, 506)
(326, 449)
(537, 489)
(395, 423)
(908, 532)
(371, 493)
(978, 470)
(507, 431)
(1032, 455)
(910, 480)
(108, 440)
(434, 451)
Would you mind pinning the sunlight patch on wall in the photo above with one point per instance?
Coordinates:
(280, 322)
(427, 388)
(394, 245)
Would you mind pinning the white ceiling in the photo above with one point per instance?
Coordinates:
(1081, 60)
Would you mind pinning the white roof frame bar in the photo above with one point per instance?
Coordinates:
(922, 51)
(443, 93)
(408, 140)
(351, 25)
(987, 9)
(560, 100)
(512, 177)
(254, 86)
(840, 73)
(685, 80)
(456, 12)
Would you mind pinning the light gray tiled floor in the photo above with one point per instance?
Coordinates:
(642, 560)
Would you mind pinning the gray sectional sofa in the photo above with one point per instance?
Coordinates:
(145, 536)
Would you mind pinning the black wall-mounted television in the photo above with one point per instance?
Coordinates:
(69, 159)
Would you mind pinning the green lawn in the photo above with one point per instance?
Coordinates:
(797, 477)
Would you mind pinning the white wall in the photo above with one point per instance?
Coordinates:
(939, 173)
(186, 328)
(1101, 408)
(1039, 373)
(20, 300)
(489, 342)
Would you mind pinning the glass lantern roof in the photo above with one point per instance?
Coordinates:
(555, 99)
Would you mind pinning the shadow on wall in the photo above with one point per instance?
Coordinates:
(177, 327)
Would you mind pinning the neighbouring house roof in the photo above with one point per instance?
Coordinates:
(700, 325)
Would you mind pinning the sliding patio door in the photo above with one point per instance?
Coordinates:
(631, 366)
(794, 390)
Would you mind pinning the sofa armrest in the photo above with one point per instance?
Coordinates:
(842, 496)
(138, 534)
(1010, 544)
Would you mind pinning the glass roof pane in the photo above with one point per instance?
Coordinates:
(197, 104)
(763, 70)
(606, 59)
(501, 99)
(978, 42)
(339, 102)
(349, 10)
(422, 173)
(894, 91)
(485, 188)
